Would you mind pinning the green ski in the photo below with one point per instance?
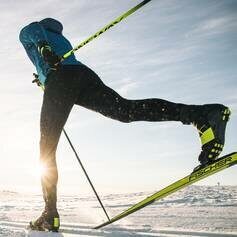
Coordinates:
(220, 164)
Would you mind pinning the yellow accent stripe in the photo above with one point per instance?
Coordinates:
(207, 136)
(56, 222)
(226, 115)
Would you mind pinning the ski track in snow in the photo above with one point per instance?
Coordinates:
(195, 211)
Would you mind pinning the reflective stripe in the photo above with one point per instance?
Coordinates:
(56, 222)
(226, 115)
(207, 136)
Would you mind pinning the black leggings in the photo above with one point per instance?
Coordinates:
(80, 85)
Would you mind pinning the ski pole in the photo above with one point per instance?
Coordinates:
(37, 81)
(107, 27)
(88, 178)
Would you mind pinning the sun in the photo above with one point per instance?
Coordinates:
(38, 171)
(42, 169)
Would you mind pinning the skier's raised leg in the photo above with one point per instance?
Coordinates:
(210, 119)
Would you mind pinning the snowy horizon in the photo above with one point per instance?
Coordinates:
(182, 51)
(194, 211)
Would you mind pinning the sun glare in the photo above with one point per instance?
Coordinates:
(42, 170)
(38, 171)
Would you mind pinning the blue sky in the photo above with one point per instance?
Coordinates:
(182, 51)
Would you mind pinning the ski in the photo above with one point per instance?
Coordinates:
(220, 164)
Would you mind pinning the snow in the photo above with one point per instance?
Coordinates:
(194, 211)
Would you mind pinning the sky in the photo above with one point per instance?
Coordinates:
(181, 51)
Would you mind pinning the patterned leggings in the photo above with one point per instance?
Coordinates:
(79, 85)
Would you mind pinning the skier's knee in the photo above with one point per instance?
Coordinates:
(125, 118)
(125, 114)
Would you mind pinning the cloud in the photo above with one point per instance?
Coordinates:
(214, 26)
(125, 86)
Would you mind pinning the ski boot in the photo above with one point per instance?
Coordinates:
(210, 120)
(212, 132)
(48, 221)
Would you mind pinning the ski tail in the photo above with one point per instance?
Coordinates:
(220, 164)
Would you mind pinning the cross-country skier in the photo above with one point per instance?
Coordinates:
(70, 82)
